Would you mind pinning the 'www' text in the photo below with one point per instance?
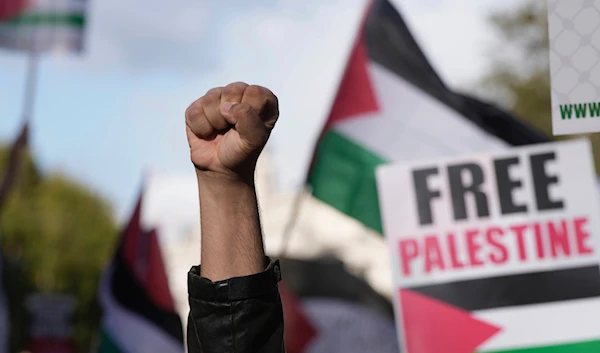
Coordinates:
(580, 111)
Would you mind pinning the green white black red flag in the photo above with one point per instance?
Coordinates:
(43, 25)
(391, 106)
(496, 252)
(139, 313)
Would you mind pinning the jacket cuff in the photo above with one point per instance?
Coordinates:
(236, 288)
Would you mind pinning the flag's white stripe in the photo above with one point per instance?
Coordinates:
(129, 331)
(40, 32)
(348, 327)
(42, 38)
(57, 6)
(543, 324)
(412, 125)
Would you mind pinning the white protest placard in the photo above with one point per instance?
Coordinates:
(496, 252)
(574, 31)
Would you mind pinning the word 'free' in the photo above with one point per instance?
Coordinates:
(460, 187)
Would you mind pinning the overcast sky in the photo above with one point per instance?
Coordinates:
(106, 117)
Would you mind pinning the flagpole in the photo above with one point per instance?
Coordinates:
(31, 79)
(12, 167)
(292, 220)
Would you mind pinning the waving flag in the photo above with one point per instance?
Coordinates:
(299, 330)
(392, 106)
(344, 312)
(518, 313)
(139, 312)
(42, 25)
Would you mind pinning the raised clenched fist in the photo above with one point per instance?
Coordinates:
(228, 127)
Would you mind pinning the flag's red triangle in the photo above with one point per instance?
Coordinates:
(156, 281)
(431, 326)
(299, 331)
(141, 252)
(11, 8)
(355, 95)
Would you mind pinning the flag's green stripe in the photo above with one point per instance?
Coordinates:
(29, 19)
(108, 345)
(343, 175)
(581, 347)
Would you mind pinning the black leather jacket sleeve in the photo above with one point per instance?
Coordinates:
(238, 315)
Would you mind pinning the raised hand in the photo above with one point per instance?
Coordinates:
(228, 127)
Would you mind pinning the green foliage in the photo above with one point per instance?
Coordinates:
(525, 80)
(58, 236)
(527, 27)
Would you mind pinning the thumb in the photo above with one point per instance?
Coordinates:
(247, 123)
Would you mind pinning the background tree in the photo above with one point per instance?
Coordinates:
(520, 81)
(57, 236)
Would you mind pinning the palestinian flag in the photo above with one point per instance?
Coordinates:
(299, 332)
(340, 313)
(139, 312)
(391, 106)
(543, 312)
(42, 25)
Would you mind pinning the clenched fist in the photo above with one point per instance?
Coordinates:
(228, 127)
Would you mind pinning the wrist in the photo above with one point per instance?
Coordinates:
(212, 179)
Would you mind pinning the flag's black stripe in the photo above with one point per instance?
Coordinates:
(515, 290)
(500, 123)
(131, 295)
(390, 44)
(328, 278)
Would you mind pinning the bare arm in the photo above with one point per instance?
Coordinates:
(231, 234)
(227, 129)
(234, 298)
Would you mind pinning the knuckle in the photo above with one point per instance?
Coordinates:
(234, 89)
(192, 111)
(262, 97)
(212, 96)
(243, 109)
(255, 91)
(210, 99)
(214, 91)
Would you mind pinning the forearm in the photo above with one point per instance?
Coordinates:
(234, 298)
(231, 244)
